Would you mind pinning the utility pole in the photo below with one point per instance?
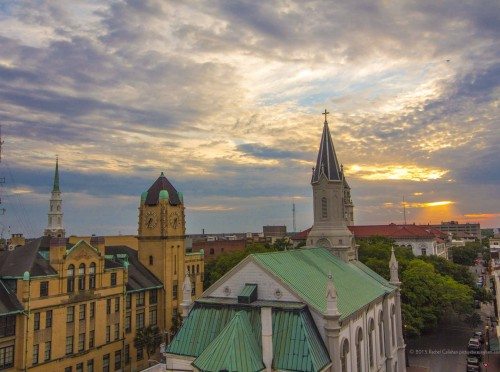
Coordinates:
(404, 209)
(293, 214)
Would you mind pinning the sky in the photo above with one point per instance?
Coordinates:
(226, 97)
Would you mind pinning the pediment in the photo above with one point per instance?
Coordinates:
(82, 250)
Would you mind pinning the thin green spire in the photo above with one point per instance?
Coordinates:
(56, 176)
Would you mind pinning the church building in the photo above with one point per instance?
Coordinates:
(312, 309)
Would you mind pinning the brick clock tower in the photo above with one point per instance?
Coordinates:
(162, 229)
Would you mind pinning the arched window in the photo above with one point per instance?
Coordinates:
(150, 260)
(371, 331)
(92, 275)
(324, 207)
(393, 326)
(381, 333)
(359, 347)
(71, 278)
(81, 277)
(344, 355)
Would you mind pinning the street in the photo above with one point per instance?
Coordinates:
(446, 349)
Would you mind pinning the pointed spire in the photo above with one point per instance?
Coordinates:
(56, 176)
(393, 267)
(326, 162)
(331, 297)
(186, 295)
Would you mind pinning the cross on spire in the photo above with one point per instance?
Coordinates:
(325, 113)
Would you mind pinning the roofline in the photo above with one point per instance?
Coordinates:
(143, 289)
(12, 312)
(230, 273)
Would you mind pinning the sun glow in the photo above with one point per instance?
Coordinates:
(396, 172)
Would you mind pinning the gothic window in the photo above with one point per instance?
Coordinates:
(324, 207)
(58, 208)
(371, 331)
(344, 355)
(381, 333)
(359, 340)
(393, 326)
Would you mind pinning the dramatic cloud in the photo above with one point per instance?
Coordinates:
(225, 97)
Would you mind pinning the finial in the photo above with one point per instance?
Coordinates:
(313, 169)
(325, 113)
(162, 175)
(393, 268)
(331, 297)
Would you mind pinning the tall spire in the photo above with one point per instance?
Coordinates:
(326, 162)
(56, 177)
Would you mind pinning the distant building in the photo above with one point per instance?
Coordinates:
(460, 230)
(495, 246)
(422, 240)
(274, 231)
(214, 248)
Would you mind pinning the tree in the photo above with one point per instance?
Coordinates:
(282, 244)
(148, 338)
(464, 255)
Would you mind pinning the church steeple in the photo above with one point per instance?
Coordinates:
(326, 162)
(54, 225)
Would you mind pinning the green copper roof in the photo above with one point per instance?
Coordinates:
(234, 349)
(300, 345)
(305, 271)
(203, 324)
(248, 293)
(56, 177)
(297, 345)
(163, 195)
(144, 195)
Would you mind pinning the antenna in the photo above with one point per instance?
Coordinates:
(2, 179)
(293, 214)
(404, 209)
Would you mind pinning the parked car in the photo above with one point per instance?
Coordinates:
(473, 364)
(474, 344)
(479, 335)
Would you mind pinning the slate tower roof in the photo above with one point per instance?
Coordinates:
(327, 162)
(162, 183)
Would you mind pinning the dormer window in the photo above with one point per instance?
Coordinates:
(81, 277)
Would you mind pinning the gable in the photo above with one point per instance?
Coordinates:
(268, 287)
(82, 250)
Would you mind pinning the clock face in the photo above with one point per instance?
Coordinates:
(151, 220)
(174, 220)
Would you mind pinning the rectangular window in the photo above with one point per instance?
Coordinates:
(117, 304)
(108, 333)
(48, 350)
(128, 323)
(152, 317)
(7, 325)
(92, 281)
(174, 292)
(44, 289)
(128, 303)
(83, 308)
(81, 342)
(105, 363)
(140, 353)
(140, 299)
(69, 345)
(118, 360)
(108, 306)
(126, 353)
(71, 284)
(68, 369)
(91, 339)
(79, 367)
(153, 296)
(90, 365)
(113, 279)
(70, 314)
(7, 357)
(92, 310)
(36, 349)
(139, 321)
(117, 331)
(193, 288)
(48, 319)
(36, 321)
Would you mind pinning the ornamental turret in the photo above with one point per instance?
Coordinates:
(55, 216)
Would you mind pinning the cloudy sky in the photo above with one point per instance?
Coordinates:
(226, 97)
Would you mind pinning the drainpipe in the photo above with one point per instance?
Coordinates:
(27, 278)
(267, 337)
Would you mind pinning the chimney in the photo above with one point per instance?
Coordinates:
(57, 250)
(266, 319)
(98, 242)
